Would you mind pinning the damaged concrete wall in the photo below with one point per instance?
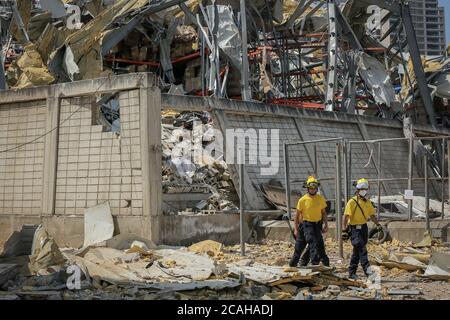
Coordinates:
(304, 125)
(21, 169)
(56, 161)
(96, 166)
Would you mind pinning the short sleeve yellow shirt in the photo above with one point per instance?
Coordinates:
(354, 212)
(311, 207)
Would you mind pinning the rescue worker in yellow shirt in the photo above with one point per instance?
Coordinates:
(358, 211)
(312, 220)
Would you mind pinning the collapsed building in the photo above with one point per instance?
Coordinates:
(310, 69)
(110, 140)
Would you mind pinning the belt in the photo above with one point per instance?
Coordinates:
(357, 226)
(314, 222)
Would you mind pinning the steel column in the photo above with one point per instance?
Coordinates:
(410, 173)
(332, 56)
(245, 88)
(241, 202)
(338, 200)
(427, 198)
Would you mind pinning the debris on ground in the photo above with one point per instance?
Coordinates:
(210, 270)
(192, 165)
(45, 252)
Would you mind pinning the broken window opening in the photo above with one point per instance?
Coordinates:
(107, 113)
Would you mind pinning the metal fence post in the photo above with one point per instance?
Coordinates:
(344, 154)
(443, 180)
(338, 200)
(448, 168)
(379, 182)
(349, 179)
(427, 199)
(410, 173)
(316, 163)
(241, 201)
(287, 179)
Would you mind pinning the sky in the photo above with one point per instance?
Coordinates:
(446, 5)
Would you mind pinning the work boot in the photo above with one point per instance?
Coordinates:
(353, 276)
(326, 263)
(368, 272)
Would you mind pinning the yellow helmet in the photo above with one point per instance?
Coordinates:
(312, 182)
(362, 183)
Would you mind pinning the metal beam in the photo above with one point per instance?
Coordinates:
(332, 56)
(245, 88)
(3, 85)
(417, 63)
(19, 21)
(113, 38)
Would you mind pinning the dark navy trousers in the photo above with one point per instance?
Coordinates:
(300, 246)
(359, 238)
(314, 238)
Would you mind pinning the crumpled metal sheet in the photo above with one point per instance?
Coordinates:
(442, 85)
(86, 42)
(228, 37)
(376, 78)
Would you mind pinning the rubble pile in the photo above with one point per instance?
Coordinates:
(195, 48)
(129, 267)
(191, 165)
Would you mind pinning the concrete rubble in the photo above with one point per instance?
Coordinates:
(184, 135)
(195, 48)
(210, 270)
(295, 54)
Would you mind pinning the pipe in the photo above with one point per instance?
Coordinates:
(241, 201)
(427, 199)
(287, 181)
(379, 182)
(338, 200)
(442, 179)
(410, 171)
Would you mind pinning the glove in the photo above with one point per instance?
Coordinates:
(346, 233)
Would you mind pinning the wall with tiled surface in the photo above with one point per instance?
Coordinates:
(96, 166)
(21, 168)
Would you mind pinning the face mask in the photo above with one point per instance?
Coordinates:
(363, 193)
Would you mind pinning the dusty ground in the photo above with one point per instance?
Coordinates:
(279, 253)
(271, 253)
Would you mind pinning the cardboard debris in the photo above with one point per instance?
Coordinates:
(209, 247)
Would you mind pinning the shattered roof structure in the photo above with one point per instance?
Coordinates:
(349, 56)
